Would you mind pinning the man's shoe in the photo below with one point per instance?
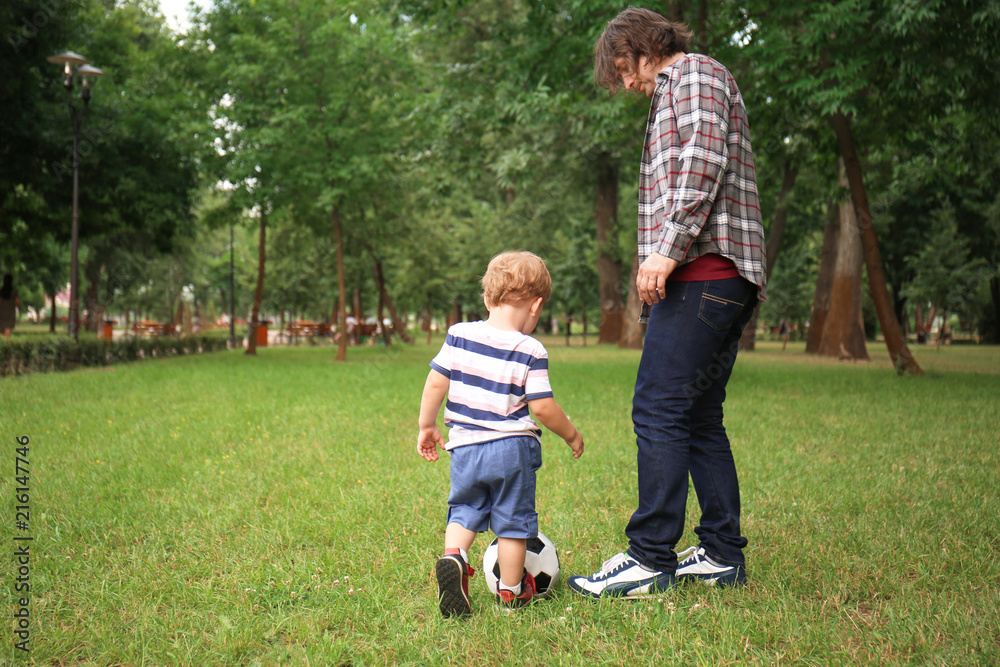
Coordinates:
(453, 584)
(622, 576)
(508, 600)
(696, 565)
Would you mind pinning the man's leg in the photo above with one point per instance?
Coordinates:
(713, 470)
(680, 363)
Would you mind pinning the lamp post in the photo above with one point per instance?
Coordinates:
(86, 72)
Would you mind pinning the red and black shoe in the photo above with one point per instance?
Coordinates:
(453, 584)
(508, 600)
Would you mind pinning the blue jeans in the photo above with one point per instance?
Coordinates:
(687, 358)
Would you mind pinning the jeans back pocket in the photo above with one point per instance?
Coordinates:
(717, 311)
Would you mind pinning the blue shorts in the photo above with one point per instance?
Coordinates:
(493, 487)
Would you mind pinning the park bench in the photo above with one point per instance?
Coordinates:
(153, 328)
(303, 328)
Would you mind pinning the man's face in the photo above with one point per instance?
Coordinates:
(642, 79)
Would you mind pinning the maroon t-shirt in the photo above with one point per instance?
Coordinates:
(706, 267)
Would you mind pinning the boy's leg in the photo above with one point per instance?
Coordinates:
(510, 556)
(457, 536)
(513, 517)
(468, 515)
(453, 571)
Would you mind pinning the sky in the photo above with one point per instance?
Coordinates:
(176, 11)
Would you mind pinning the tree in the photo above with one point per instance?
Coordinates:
(946, 276)
(137, 171)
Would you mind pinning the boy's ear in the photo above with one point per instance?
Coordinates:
(536, 305)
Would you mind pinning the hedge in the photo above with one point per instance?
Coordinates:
(61, 353)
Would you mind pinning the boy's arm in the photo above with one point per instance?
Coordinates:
(553, 418)
(429, 437)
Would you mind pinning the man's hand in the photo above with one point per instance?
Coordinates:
(428, 441)
(651, 280)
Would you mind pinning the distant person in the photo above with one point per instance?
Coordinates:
(701, 272)
(495, 377)
(10, 306)
(352, 329)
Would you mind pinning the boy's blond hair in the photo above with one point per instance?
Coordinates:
(514, 277)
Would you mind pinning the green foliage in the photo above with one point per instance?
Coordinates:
(59, 353)
(445, 132)
(946, 276)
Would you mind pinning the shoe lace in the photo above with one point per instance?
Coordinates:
(690, 556)
(612, 564)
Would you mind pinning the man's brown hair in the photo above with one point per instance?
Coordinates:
(514, 277)
(635, 33)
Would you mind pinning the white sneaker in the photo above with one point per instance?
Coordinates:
(695, 564)
(622, 576)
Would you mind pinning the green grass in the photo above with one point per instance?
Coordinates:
(224, 510)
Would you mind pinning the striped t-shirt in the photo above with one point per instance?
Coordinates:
(493, 374)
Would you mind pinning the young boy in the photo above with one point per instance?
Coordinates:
(492, 372)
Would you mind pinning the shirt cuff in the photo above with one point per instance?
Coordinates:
(673, 244)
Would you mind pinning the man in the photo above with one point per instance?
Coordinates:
(701, 274)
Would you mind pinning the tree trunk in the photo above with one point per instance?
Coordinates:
(609, 270)
(428, 323)
(455, 316)
(701, 37)
(584, 323)
(632, 330)
(341, 286)
(258, 294)
(53, 318)
(748, 341)
(899, 352)
(380, 309)
(844, 334)
(994, 336)
(398, 325)
(359, 316)
(824, 282)
(899, 304)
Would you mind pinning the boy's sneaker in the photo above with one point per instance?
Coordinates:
(508, 600)
(696, 565)
(622, 576)
(453, 584)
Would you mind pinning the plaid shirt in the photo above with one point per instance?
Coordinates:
(697, 188)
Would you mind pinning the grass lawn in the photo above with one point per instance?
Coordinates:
(224, 510)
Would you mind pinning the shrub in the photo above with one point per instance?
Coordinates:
(59, 353)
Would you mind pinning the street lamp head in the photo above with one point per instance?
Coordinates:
(86, 73)
(68, 59)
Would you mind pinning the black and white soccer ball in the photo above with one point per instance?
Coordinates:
(541, 560)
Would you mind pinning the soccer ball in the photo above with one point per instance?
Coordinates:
(541, 560)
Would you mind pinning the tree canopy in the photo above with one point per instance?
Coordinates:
(392, 147)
